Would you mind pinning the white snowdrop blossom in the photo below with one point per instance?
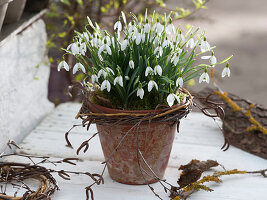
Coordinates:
(124, 45)
(118, 80)
(175, 58)
(212, 59)
(127, 78)
(140, 93)
(158, 27)
(118, 26)
(180, 38)
(105, 85)
(226, 71)
(102, 72)
(152, 84)
(106, 40)
(148, 71)
(146, 28)
(204, 77)
(131, 64)
(132, 30)
(179, 82)
(167, 43)
(82, 48)
(74, 48)
(104, 48)
(204, 46)
(191, 43)
(144, 37)
(94, 78)
(171, 98)
(110, 70)
(78, 66)
(86, 36)
(160, 50)
(170, 29)
(138, 38)
(96, 42)
(64, 65)
(158, 70)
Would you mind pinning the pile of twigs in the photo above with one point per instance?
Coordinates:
(16, 173)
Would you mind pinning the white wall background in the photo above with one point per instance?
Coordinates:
(23, 85)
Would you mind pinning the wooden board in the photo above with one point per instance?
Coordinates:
(199, 138)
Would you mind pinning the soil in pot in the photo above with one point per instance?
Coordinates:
(14, 11)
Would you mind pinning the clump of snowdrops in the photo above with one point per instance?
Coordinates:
(143, 59)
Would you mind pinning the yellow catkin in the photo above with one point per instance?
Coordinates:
(176, 198)
(234, 171)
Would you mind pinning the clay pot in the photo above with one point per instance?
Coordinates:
(155, 141)
(14, 11)
(3, 8)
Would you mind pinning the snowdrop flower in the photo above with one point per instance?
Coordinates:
(204, 77)
(94, 78)
(105, 85)
(102, 72)
(158, 49)
(132, 30)
(78, 66)
(152, 84)
(124, 45)
(127, 78)
(226, 71)
(179, 82)
(96, 42)
(175, 58)
(74, 48)
(212, 59)
(82, 48)
(64, 65)
(138, 38)
(146, 28)
(180, 38)
(131, 64)
(167, 43)
(86, 36)
(110, 70)
(158, 70)
(170, 28)
(158, 27)
(204, 45)
(190, 43)
(119, 80)
(118, 26)
(171, 98)
(148, 70)
(104, 48)
(106, 40)
(144, 37)
(140, 92)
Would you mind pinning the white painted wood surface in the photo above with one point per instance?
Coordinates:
(199, 138)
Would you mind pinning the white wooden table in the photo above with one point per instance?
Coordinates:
(199, 138)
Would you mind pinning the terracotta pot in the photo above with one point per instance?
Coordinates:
(3, 8)
(155, 141)
(14, 11)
